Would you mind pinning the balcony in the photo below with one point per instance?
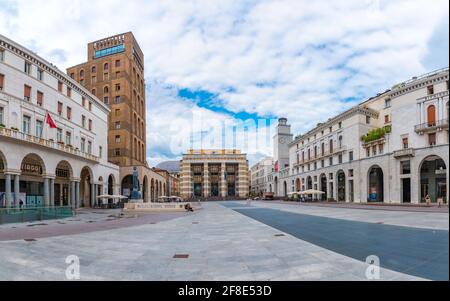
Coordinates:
(321, 155)
(406, 152)
(70, 150)
(431, 126)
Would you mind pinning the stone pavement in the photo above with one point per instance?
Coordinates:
(222, 245)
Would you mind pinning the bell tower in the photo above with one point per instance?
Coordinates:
(281, 142)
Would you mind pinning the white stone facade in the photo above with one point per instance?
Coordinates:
(260, 176)
(66, 166)
(403, 164)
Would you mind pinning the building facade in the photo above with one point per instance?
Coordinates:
(214, 173)
(41, 165)
(260, 176)
(114, 72)
(392, 148)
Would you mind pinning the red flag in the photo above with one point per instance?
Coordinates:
(50, 122)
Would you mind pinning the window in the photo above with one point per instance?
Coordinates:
(39, 127)
(322, 163)
(90, 124)
(81, 73)
(2, 55)
(105, 90)
(60, 108)
(59, 135)
(117, 139)
(83, 121)
(340, 125)
(68, 138)
(69, 92)
(82, 82)
(374, 150)
(69, 113)
(117, 87)
(430, 89)
(60, 87)
(117, 99)
(94, 79)
(350, 173)
(340, 159)
(405, 142)
(331, 146)
(83, 102)
(94, 92)
(117, 63)
(40, 98)
(2, 81)
(432, 139)
(26, 93)
(26, 124)
(330, 161)
(117, 152)
(117, 112)
(89, 147)
(90, 106)
(381, 149)
(109, 51)
(100, 151)
(72, 75)
(387, 103)
(106, 66)
(117, 125)
(350, 156)
(386, 118)
(340, 142)
(1, 115)
(368, 152)
(105, 76)
(405, 167)
(367, 119)
(82, 144)
(106, 100)
(117, 74)
(40, 74)
(27, 68)
(93, 69)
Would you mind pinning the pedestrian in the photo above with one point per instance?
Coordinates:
(20, 204)
(427, 200)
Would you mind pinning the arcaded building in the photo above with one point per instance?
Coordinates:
(392, 148)
(214, 173)
(53, 135)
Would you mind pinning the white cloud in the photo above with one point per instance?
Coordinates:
(294, 58)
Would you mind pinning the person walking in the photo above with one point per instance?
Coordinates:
(427, 200)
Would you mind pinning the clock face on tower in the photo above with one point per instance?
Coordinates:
(282, 140)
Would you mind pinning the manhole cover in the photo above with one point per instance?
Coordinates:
(181, 256)
(195, 223)
(29, 239)
(90, 222)
(279, 235)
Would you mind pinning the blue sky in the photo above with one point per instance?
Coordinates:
(228, 69)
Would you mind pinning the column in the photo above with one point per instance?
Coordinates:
(223, 181)
(72, 194)
(52, 192)
(206, 180)
(46, 192)
(16, 189)
(93, 194)
(77, 194)
(242, 180)
(9, 199)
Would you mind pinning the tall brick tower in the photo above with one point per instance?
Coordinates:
(114, 72)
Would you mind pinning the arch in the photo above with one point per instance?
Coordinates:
(297, 185)
(433, 179)
(81, 73)
(94, 92)
(375, 184)
(309, 184)
(157, 190)
(340, 176)
(86, 181)
(160, 188)
(323, 186)
(93, 69)
(64, 173)
(105, 90)
(431, 115)
(35, 160)
(111, 184)
(3, 162)
(127, 185)
(145, 189)
(105, 66)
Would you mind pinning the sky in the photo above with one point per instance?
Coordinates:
(220, 73)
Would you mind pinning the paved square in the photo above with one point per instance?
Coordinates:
(224, 241)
